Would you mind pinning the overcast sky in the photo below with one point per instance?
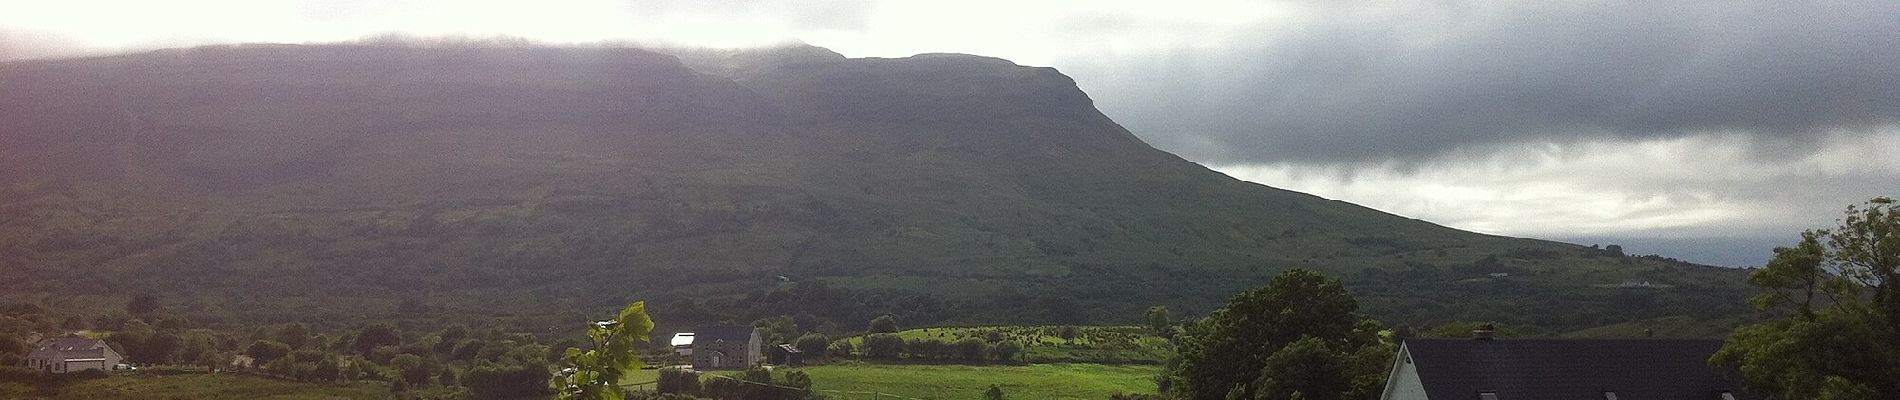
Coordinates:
(1707, 131)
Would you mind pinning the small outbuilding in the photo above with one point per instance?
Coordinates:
(786, 354)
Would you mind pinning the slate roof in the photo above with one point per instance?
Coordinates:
(69, 348)
(709, 334)
(1535, 369)
(71, 343)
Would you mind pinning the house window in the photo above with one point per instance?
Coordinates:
(1487, 395)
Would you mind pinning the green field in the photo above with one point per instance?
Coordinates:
(1045, 344)
(1037, 381)
(196, 387)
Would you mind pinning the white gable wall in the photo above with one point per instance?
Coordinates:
(1403, 384)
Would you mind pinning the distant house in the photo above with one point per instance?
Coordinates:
(70, 354)
(726, 347)
(1597, 369)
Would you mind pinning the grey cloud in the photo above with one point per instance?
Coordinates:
(1406, 83)
(817, 14)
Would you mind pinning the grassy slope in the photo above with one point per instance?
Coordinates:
(541, 185)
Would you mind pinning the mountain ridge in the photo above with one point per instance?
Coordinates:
(511, 181)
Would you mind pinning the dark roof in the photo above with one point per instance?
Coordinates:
(1570, 369)
(709, 334)
(69, 348)
(69, 343)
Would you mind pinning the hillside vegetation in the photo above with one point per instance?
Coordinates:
(536, 186)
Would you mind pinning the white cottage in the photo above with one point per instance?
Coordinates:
(71, 354)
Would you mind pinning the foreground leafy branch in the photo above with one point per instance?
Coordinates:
(596, 374)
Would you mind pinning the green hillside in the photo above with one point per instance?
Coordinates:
(337, 184)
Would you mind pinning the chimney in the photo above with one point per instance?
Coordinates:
(1484, 332)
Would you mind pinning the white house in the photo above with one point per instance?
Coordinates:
(683, 343)
(69, 354)
(1483, 368)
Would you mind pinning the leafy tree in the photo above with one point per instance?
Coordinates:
(1157, 319)
(1305, 369)
(595, 374)
(493, 380)
(972, 349)
(265, 351)
(297, 335)
(678, 380)
(1007, 350)
(812, 344)
(143, 305)
(1226, 351)
(1841, 340)
(376, 335)
(327, 370)
(447, 378)
(882, 324)
(780, 329)
(841, 348)
(1068, 333)
(883, 345)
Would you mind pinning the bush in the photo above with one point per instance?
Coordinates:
(1007, 350)
(883, 345)
(491, 380)
(972, 349)
(813, 344)
(678, 380)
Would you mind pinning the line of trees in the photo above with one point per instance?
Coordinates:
(888, 346)
(1835, 296)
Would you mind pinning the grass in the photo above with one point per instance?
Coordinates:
(1035, 381)
(200, 386)
(1043, 344)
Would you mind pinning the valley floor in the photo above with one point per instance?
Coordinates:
(1033, 381)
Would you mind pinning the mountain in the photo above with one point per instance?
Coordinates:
(538, 185)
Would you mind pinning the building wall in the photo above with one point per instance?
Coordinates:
(753, 355)
(74, 366)
(733, 355)
(1403, 384)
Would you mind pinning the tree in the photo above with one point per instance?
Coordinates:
(595, 374)
(142, 305)
(1227, 350)
(1157, 319)
(1838, 288)
(813, 344)
(376, 335)
(677, 380)
(265, 351)
(883, 345)
(972, 349)
(882, 324)
(1006, 350)
(1305, 369)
